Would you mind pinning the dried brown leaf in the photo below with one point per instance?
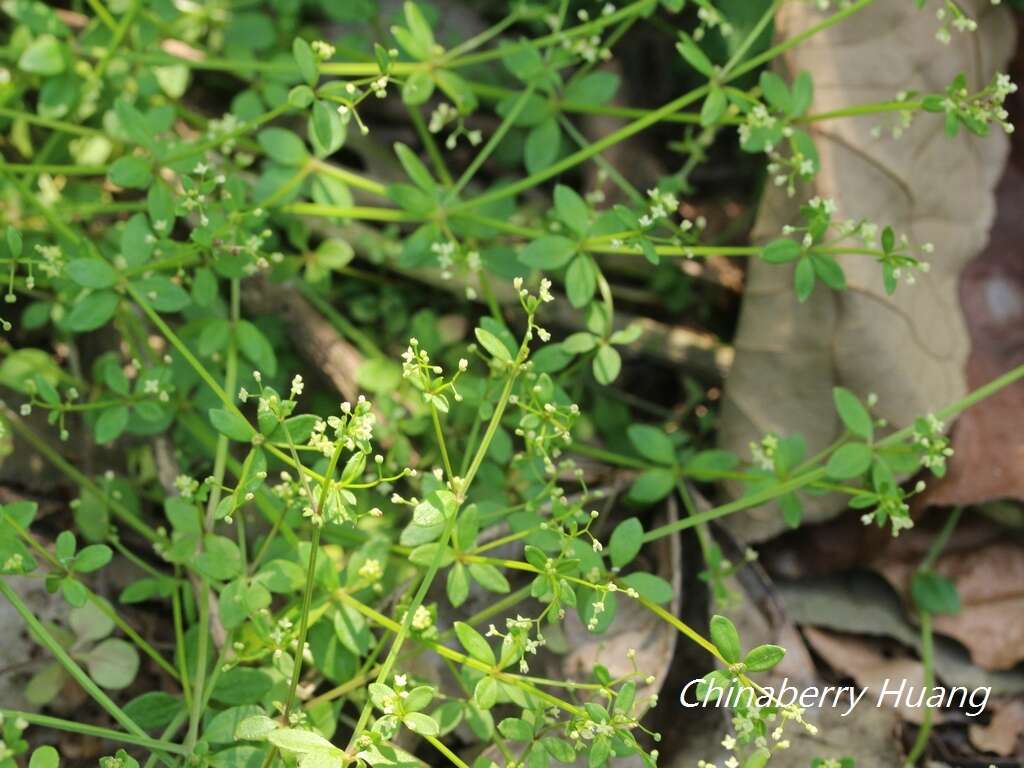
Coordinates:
(864, 604)
(990, 581)
(863, 662)
(1002, 733)
(909, 348)
(988, 439)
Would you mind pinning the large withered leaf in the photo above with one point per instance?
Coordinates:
(988, 439)
(909, 348)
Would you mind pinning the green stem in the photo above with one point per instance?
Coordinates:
(493, 142)
(103, 14)
(433, 151)
(116, 39)
(44, 638)
(752, 36)
(928, 662)
(183, 350)
(559, 36)
(205, 435)
(121, 512)
(941, 540)
(927, 639)
(102, 605)
(583, 154)
(202, 643)
(219, 468)
(307, 595)
(862, 110)
(654, 116)
(703, 534)
(403, 629)
(478, 40)
(814, 475)
(461, 658)
(179, 642)
(439, 433)
(362, 212)
(341, 323)
(403, 632)
(440, 747)
(792, 42)
(108, 734)
(207, 378)
(607, 457)
(681, 627)
(361, 680)
(48, 122)
(197, 149)
(349, 177)
(55, 168)
(168, 733)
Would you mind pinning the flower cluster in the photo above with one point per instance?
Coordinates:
(428, 377)
(758, 120)
(709, 18)
(890, 506)
(531, 304)
(354, 93)
(930, 439)
(787, 170)
(894, 253)
(445, 114)
(451, 255)
(269, 404)
(323, 50)
(759, 724)
(951, 15)
(596, 726)
(186, 486)
(763, 454)
(903, 118)
(353, 429)
(587, 47)
(543, 423)
(223, 132)
(663, 205)
(898, 263)
(333, 504)
(51, 264)
(371, 570)
(422, 619)
(522, 638)
(975, 111)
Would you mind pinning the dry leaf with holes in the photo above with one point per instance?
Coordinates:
(990, 581)
(1001, 735)
(864, 604)
(909, 348)
(988, 439)
(863, 662)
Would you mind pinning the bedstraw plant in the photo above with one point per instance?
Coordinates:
(318, 560)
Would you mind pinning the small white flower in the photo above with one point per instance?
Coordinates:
(322, 49)
(422, 619)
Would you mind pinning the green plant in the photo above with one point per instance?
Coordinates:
(308, 549)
